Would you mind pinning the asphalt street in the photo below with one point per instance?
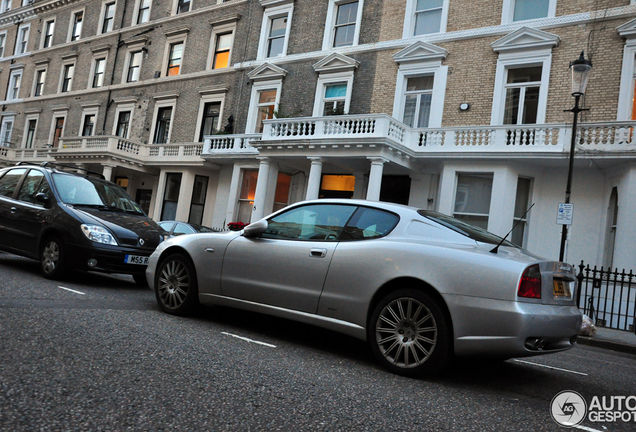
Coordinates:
(95, 353)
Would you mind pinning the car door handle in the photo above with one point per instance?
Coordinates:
(318, 253)
(13, 210)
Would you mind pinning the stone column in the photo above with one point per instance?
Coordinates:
(375, 178)
(260, 195)
(108, 172)
(358, 189)
(315, 175)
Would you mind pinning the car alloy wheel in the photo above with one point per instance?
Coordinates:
(52, 258)
(408, 333)
(176, 285)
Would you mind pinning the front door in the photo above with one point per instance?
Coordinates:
(288, 265)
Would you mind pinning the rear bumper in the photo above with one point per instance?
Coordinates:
(110, 259)
(496, 328)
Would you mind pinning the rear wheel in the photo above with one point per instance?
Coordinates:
(52, 258)
(176, 285)
(409, 333)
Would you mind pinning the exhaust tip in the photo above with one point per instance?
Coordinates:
(534, 344)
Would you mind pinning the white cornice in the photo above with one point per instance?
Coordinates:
(336, 62)
(525, 38)
(420, 51)
(267, 71)
(627, 30)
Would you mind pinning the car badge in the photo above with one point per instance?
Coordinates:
(141, 241)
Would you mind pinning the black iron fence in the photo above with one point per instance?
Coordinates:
(607, 296)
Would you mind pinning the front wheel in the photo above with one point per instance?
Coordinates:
(409, 333)
(52, 258)
(176, 285)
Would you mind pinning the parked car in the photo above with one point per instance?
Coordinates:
(70, 220)
(419, 286)
(175, 228)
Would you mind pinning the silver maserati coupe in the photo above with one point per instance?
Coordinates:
(421, 287)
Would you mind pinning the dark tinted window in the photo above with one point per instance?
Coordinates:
(368, 223)
(311, 222)
(33, 184)
(10, 180)
(470, 231)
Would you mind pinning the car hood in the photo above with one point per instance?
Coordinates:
(128, 229)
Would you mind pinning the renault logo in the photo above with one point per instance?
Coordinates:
(141, 242)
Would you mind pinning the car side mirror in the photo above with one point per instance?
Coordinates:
(255, 229)
(41, 197)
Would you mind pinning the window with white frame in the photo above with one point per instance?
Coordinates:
(425, 17)
(14, 84)
(29, 133)
(142, 11)
(627, 90)
(522, 201)
(89, 120)
(210, 118)
(182, 6)
(171, 196)
(22, 40)
(57, 128)
(108, 17)
(522, 77)
(523, 10)
(97, 72)
(123, 116)
(133, 60)
(472, 198)
(173, 54)
(66, 78)
(222, 50)
(5, 5)
(75, 29)
(333, 94)
(162, 124)
(122, 127)
(343, 23)
(263, 103)
(522, 95)
(49, 29)
(612, 226)
(275, 31)
(421, 85)
(3, 41)
(5, 131)
(38, 82)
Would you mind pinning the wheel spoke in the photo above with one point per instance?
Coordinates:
(429, 315)
(388, 321)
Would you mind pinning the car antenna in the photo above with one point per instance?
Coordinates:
(496, 248)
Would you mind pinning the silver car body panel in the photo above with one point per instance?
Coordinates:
(332, 284)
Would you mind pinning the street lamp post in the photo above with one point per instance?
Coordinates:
(580, 73)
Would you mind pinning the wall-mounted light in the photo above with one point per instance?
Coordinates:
(464, 106)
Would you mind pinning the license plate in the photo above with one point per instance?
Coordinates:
(562, 289)
(136, 259)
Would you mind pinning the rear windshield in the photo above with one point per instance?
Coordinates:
(470, 231)
(93, 192)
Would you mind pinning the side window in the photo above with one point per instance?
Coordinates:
(31, 186)
(369, 223)
(9, 181)
(311, 222)
(183, 229)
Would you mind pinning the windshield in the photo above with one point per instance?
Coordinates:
(470, 231)
(93, 192)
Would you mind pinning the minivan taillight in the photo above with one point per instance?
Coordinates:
(530, 284)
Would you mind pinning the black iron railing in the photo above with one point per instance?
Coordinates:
(607, 296)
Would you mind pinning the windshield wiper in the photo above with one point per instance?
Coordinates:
(98, 207)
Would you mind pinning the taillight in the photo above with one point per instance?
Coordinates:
(530, 284)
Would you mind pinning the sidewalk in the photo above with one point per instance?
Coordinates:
(617, 340)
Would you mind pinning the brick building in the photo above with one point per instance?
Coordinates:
(215, 111)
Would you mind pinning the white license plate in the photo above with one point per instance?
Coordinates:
(136, 259)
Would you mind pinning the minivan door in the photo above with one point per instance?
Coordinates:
(9, 237)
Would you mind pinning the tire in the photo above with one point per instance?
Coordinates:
(409, 333)
(140, 279)
(53, 258)
(176, 285)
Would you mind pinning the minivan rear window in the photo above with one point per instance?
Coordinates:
(10, 180)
